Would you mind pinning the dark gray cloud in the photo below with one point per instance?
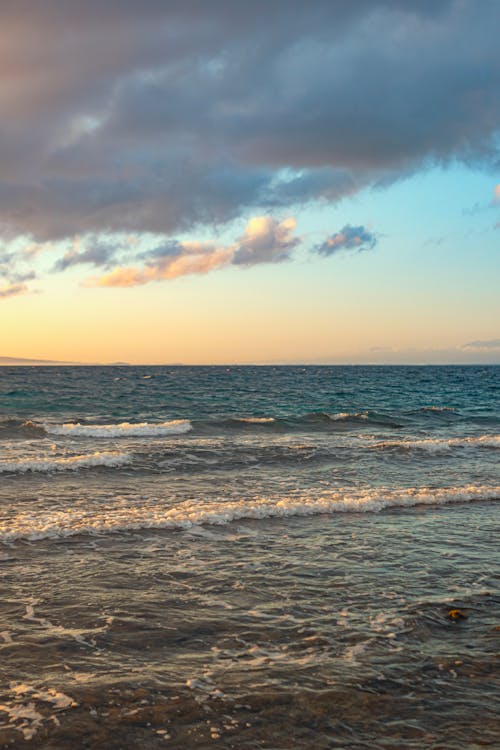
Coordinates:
(348, 238)
(99, 254)
(14, 272)
(6, 258)
(157, 117)
(19, 277)
(168, 249)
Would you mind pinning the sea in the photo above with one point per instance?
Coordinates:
(249, 557)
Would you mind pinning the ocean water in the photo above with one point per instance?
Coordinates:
(249, 557)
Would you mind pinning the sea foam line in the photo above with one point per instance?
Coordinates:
(123, 429)
(438, 445)
(71, 463)
(154, 514)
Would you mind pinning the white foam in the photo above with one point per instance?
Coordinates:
(23, 717)
(123, 429)
(439, 445)
(66, 463)
(345, 416)
(81, 636)
(154, 514)
(21, 708)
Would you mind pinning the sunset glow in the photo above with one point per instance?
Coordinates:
(184, 186)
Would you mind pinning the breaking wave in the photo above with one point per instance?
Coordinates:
(123, 429)
(439, 445)
(66, 463)
(154, 514)
(345, 416)
(311, 422)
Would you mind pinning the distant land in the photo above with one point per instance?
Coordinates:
(18, 361)
(25, 362)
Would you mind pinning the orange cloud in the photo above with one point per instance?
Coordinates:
(119, 277)
(265, 240)
(190, 258)
(12, 290)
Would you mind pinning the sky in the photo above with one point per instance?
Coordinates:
(268, 182)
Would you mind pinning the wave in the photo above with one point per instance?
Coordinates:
(490, 419)
(438, 409)
(66, 463)
(345, 416)
(154, 514)
(348, 418)
(256, 420)
(11, 427)
(447, 414)
(439, 445)
(232, 456)
(364, 418)
(321, 421)
(123, 429)
(314, 421)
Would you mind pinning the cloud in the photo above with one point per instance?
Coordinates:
(12, 290)
(179, 259)
(266, 240)
(163, 117)
(496, 194)
(21, 276)
(13, 270)
(349, 238)
(416, 356)
(97, 253)
(483, 345)
(7, 260)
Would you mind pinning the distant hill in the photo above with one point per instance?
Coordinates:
(19, 361)
(22, 361)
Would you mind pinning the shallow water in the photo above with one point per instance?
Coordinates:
(200, 577)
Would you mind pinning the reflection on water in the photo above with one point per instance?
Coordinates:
(320, 632)
(273, 557)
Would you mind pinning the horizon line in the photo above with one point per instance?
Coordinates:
(32, 362)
